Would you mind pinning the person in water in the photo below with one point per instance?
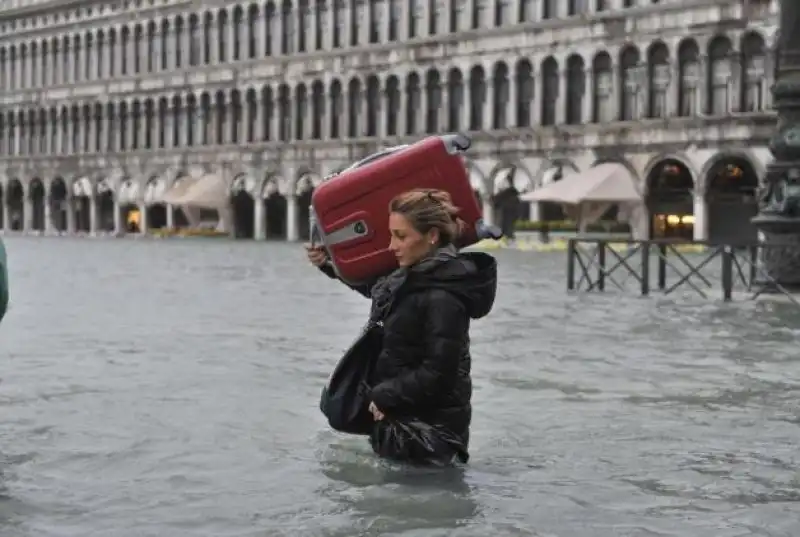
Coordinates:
(426, 304)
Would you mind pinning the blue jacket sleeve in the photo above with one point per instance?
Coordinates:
(446, 335)
(364, 289)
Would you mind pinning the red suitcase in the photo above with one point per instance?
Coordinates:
(350, 211)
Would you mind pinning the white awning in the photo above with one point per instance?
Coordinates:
(608, 183)
(210, 192)
(173, 195)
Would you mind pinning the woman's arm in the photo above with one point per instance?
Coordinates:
(446, 329)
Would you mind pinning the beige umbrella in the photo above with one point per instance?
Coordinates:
(210, 192)
(587, 195)
(609, 183)
(173, 195)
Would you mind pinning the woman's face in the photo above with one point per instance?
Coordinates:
(407, 244)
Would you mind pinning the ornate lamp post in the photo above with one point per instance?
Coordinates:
(779, 204)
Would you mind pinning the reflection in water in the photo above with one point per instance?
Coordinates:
(389, 498)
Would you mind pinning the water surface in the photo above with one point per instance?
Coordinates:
(170, 388)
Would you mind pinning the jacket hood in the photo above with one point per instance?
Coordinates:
(471, 276)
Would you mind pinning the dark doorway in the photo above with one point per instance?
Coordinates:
(15, 204)
(303, 214)
(58, 204)
(243, 214)
(731, 187)
(36, 193)
(157, 216)
(276, 206)
(105, 209)
(553, 212)
(670, 201)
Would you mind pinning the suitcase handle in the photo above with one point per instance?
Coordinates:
(375, 156)
(456, 143)
(487, 231)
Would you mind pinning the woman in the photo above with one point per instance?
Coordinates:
(423, 370)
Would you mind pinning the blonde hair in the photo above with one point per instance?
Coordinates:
(426, 209)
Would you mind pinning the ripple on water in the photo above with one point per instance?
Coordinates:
(159, 388)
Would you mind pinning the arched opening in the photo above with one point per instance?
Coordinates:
(243, 206)
(36, 194)
(157, 216)
(59, 205)
(105, 206)
(670, 200)
(179, 218)
(506, 203)
(180, 214)
(130, 216)
(304, 189)
(476, 180)
(82, 204)
(15, 204)
(156, 209)
(548, 211)
(275, 209)
(731, 186)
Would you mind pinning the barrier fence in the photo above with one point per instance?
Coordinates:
(594, 264)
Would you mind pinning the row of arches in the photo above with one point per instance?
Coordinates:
(721, 210)
(84, 208)
(248, 31)
(509, 96)
(717, 207)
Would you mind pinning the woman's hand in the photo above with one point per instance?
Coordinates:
(377, 414)
(316, 255)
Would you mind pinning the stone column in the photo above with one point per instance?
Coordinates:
(700, 216)
(778, 220)
(466, 111)
(143, 224)
(27, 223)
(348, 28)
(94, 210)
(561, 98)
(119, 228)
(292, 233)
(260, 217)
(48, 215)
(70, 203)
(488, 208)
(6, 219)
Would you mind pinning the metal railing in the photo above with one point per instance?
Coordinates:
(594, 264)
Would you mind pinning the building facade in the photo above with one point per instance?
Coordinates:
(107, 105)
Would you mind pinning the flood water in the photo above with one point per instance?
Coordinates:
(171, 388)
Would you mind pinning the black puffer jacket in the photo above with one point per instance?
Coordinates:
(424, 368)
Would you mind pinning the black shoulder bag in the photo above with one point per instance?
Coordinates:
(345, 398)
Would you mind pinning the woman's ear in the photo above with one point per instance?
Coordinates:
(433, 236)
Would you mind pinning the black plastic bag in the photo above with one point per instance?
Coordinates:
(345, 399)
(413, 441)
